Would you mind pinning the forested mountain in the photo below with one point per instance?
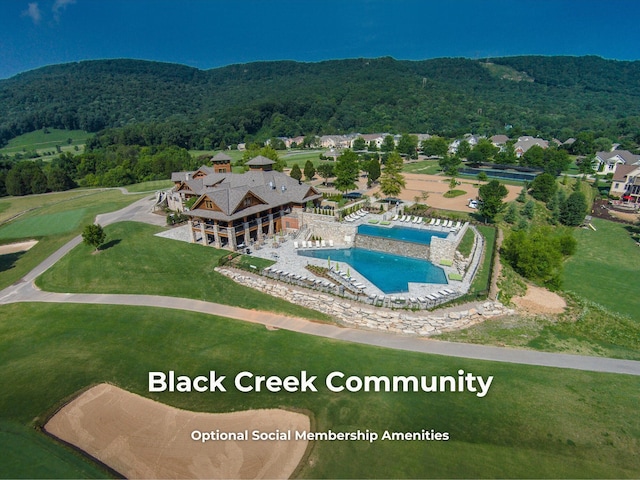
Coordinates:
(161, 103)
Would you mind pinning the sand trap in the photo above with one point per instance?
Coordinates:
(540, 300)
(17, 247)
(140, 438)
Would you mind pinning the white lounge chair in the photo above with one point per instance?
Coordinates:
(295, 244)
(331, 243)
(437, 223)
(395, 218)
(323, 243)
(432, 222)
(317, 243)
(304, 243)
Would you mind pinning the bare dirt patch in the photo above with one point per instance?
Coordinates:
(140, 438)
(17, 247)
(436, 186)
(538, 300)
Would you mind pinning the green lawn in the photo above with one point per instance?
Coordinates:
(53, 219)
(149, 186)
(39, 140)
(605, 268)
(483, 276)
(429, 167)
(534, 423)
(43, 225)
(138, 262)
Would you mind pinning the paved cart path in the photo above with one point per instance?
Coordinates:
(26, 291)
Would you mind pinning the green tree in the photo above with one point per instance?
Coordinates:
(464, 149)
(453, 183)
(512, 214)
(296, 173)
(543, 187)
(408, 145)
(392, 181)
(449, 164)
(359, 144)
(435, 147)
(94, 235)
(529, 209)
(309, 170)
(573, 210)
(492, 195)
(482, 177)
(373, 171)
(346, 171)
(587, 165)
(388, 144)
(325, 170)
(522, 196)
(484, 151)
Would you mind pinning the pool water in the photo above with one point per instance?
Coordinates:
(404, 234)
(390, 273)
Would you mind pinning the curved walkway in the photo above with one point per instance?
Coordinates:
(25, 291)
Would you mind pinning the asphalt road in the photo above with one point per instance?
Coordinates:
(26, 291)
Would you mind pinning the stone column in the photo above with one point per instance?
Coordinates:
(271, 229)
(205, 242)
(259, 222)
(247, 237)
(216, 236)
(192, 237)
(231, 233)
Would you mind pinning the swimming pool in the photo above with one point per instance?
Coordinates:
(414, 235)
(390, 273)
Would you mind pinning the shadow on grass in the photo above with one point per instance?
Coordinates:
(8, 261)
(109, 244)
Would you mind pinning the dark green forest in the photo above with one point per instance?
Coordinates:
(152, 103)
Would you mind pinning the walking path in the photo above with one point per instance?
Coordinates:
(26, 291)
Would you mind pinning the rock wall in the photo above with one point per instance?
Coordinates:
(328, 228)
(357, 315)
(442, 249)
(396, 247)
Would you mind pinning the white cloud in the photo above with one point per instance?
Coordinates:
(33, 12)
(59, 6)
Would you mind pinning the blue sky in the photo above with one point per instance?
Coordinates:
(213, 33)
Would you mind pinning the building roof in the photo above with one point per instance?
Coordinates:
(622, 171)
(221, 157)
(499, 139)
(624, 155)
(228, 190)
(260, 161)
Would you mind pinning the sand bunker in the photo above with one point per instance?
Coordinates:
(540, 300)
(17, 247)
(140, 438)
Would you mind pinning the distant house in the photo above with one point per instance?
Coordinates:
(626, 183)
(607, 162)
(234, 210)
(472, 140)
(298, 141)
(499, 140)
(526, 142)
(336, 141)
(370, 138)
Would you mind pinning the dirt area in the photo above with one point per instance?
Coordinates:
(602, 209)
(17, 247)
(538, 300)
(436, 186)
(140, 438)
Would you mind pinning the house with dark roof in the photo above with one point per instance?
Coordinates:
(234, 210)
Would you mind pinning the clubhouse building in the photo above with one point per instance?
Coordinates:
(236, 210)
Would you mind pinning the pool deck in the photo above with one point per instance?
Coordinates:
(288, 260)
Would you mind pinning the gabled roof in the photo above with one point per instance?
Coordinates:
(623, 171)
(499, 139)
(272, 188)
(260, 161)
(623, 155)
(221, 157)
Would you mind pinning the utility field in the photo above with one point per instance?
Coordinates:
(605, 268)
(138, 262)
(534, 422)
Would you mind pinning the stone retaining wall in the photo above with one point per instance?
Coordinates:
(396, 247)
(357, 315)
(327, 228)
